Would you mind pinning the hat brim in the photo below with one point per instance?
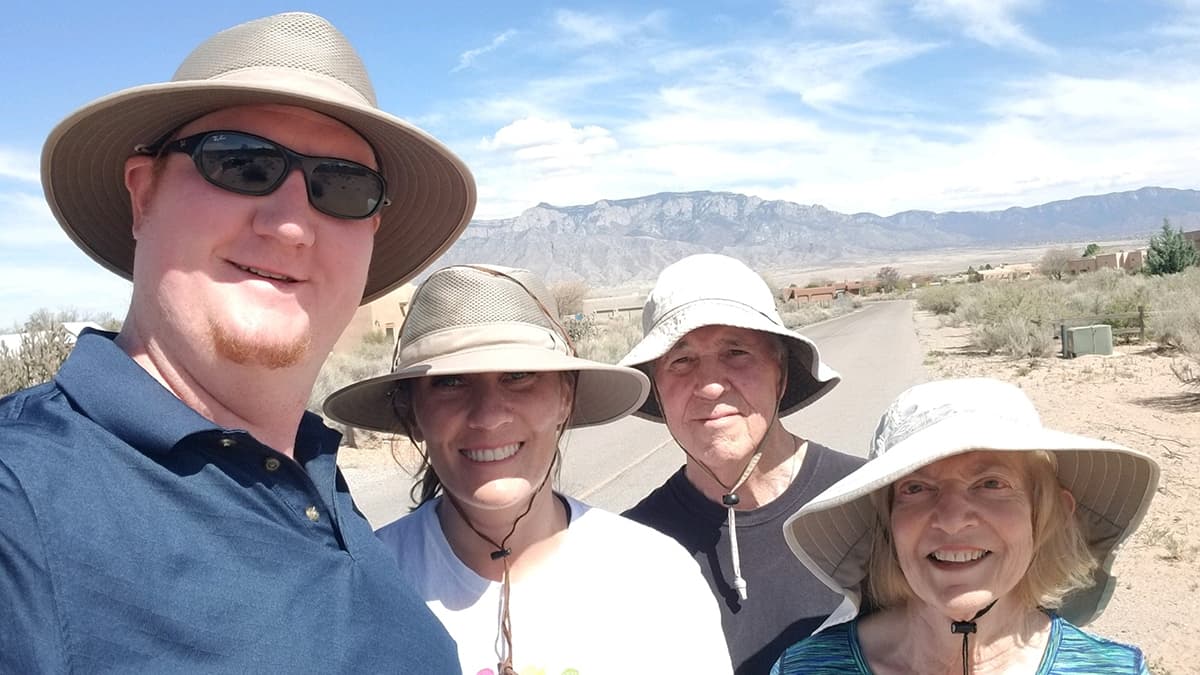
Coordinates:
(809, 378)
(1112, 486)
(432, 192)
(603, 392)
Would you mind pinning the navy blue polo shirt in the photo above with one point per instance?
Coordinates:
(137, 536)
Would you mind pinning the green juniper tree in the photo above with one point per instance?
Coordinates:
(1170, 251)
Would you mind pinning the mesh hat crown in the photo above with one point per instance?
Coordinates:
(295, 59)
(711, 289)
(484, 319)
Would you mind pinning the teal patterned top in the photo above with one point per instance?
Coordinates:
(1069, 651)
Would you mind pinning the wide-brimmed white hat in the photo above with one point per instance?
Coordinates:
(1112, 484)
(486, 319)
(293, 59)
(715, 290)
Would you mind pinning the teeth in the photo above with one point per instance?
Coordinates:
(262, 273)
(492, 454)
(957, 556)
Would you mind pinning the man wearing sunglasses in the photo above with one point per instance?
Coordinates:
(166, 503)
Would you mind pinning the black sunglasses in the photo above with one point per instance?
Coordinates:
(253, 165)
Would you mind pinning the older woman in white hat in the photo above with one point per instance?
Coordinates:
(977, 535)
(487, 381)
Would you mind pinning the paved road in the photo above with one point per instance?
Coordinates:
(613, 466)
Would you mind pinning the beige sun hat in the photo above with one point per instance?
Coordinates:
(709, 289)
(486, 319)
(289, 59)
(1112, 485)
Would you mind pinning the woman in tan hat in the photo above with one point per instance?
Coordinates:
(981, 538)
(524, 578)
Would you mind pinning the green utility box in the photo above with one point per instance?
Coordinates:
(1080, 340)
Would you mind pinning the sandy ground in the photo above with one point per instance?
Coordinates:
(1134, 399)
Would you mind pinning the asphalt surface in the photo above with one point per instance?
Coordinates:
(874, 349)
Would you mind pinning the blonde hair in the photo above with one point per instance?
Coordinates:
(1061, 560)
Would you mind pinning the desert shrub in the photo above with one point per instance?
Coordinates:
(377, 337)
(1178, 326)
(45, 344)
(797, 314)
(1036, 300)
(939, 299)
(1015, 336)
(1107, 291)
(611, 339)
(579, 329)
(369, 359)
(569, 295)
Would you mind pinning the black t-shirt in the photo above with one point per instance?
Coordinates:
(785, 603)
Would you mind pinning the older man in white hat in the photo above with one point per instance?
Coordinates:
(725, 372)
(168, 504)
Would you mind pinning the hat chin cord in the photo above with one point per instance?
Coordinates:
(966, 628)
(502, 553)
(730, 498)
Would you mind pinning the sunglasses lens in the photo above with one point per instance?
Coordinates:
(251, 165)
(343, 189)
(244, 164)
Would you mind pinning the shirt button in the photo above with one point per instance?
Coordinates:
(227, 442)
(312, 513)
(271, 464)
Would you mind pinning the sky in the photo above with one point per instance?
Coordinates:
(856, 105)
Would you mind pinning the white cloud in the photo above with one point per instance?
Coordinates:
(580, 29)
(467, 58)
(73, 282)
(992, 22)
(549, 145)
(25, 221)
(857, 15)
(19, 165)
(833, 123)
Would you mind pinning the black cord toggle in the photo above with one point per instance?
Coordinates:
(502, 553)
(730, 499)
(962, 627)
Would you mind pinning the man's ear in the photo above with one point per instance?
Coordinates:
(139, 182)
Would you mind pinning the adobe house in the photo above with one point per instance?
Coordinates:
(385, 314)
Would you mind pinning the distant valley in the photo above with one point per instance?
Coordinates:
(610, 243)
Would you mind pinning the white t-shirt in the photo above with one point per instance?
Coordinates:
(619, 598)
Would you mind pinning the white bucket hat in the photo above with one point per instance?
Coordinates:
(485, 319)
(288, 59)
(715, 290)
(1112, 485)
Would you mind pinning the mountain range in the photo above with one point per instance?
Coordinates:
(613, 242)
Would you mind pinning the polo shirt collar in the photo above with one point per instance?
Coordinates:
(109, 387)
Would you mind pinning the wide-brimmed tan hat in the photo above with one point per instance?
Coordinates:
(1112, 484)
(715, 290)
(487, 319)
(289, 59)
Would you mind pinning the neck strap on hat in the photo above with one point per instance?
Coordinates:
(502, 553)
(730, 498)
(966, 628)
